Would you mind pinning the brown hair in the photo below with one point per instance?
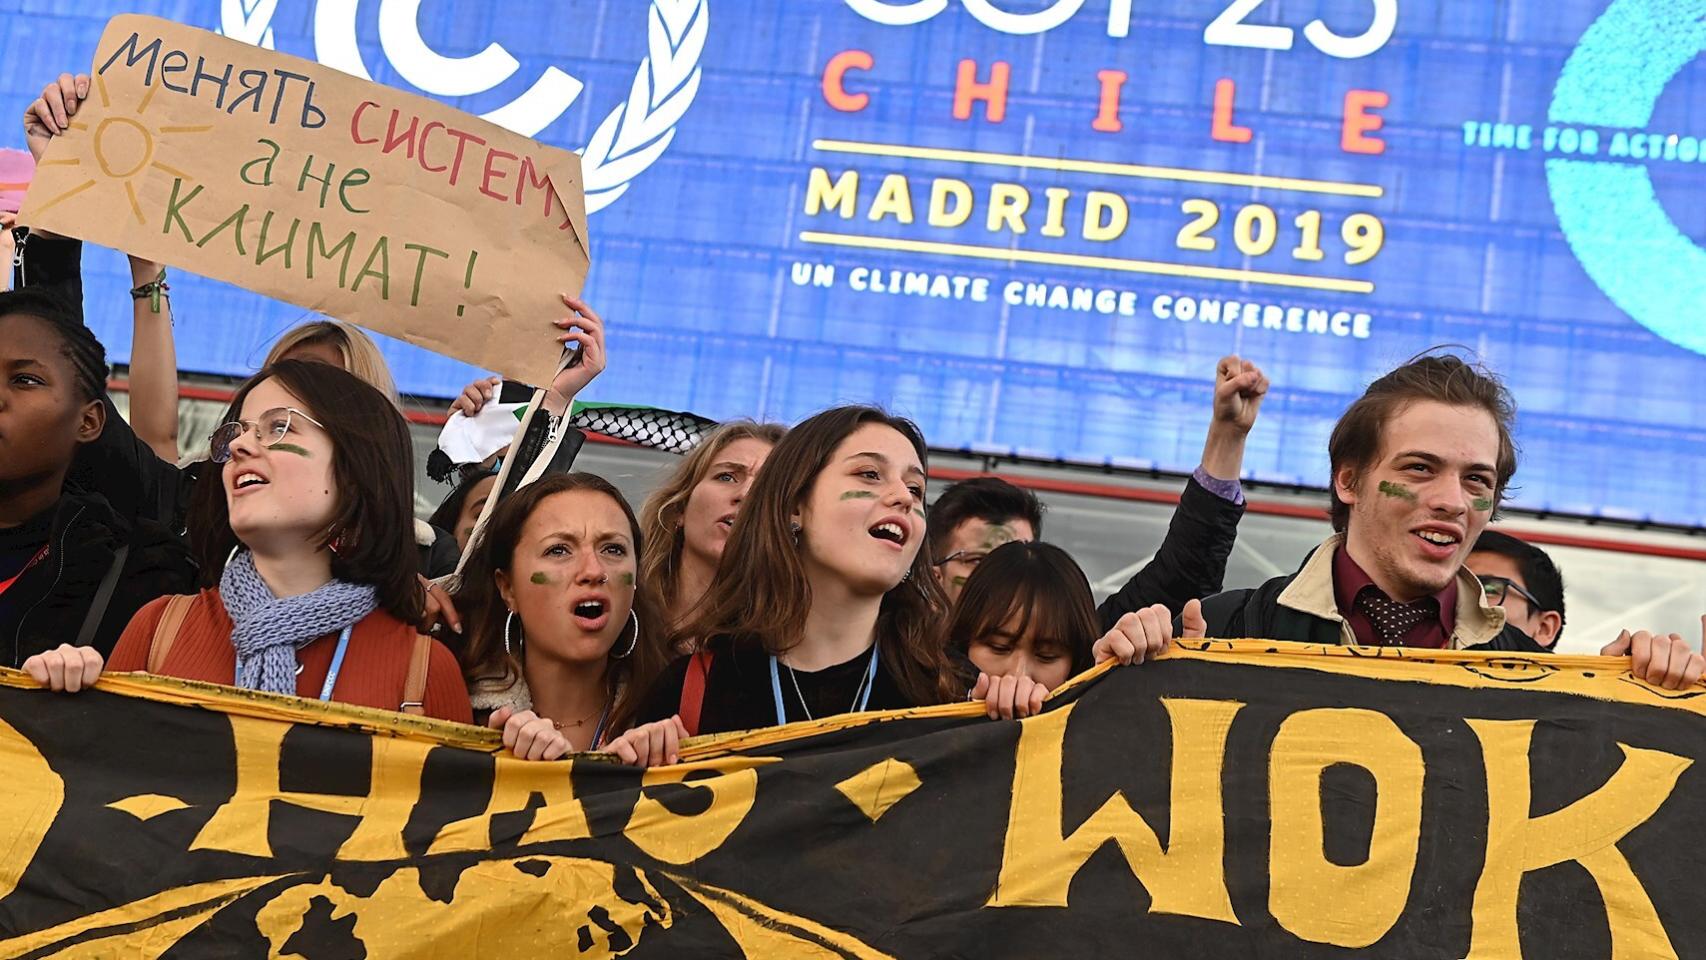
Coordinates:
(484, 611)
(1041, 585)
(1357, 437)
(760, 594)
(361, 355)
(660, 515)
(990, 499)
(373, 469)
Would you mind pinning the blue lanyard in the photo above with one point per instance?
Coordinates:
(598, 731)
(861, 697)
(337, 663)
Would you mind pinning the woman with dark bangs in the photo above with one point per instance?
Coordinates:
(1027, 622)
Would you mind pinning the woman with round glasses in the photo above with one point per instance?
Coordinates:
(306, 558)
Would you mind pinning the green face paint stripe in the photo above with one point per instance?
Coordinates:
(539, 578)
(1482, 504)
(919, 511)
(1397, 490)
(627, 579)
(858, 495)
(959, 581)
(291, 448)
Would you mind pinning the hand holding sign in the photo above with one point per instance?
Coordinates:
(300, 182)
(585, 329)
(50, 114)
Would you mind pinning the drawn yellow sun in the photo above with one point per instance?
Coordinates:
(124, 147)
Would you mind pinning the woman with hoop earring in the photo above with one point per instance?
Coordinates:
(560, 643)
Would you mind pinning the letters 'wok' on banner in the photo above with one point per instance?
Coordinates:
(340, 195)
(1237, 798)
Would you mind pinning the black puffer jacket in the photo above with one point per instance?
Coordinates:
(53, 602)
(1190, 564)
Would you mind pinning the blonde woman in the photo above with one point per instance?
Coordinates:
(687, 518)
(341, 345)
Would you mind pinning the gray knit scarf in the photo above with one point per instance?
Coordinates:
(269, 631)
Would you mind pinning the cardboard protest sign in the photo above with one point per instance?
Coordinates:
(1233, 799)
(340, 195)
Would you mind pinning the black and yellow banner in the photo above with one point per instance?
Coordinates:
(1243, 799)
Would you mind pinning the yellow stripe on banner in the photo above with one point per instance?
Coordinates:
(760, 930)
(144, 928)
(1602, 678)
(272, 706)
(1083, 260)
(1137, 170)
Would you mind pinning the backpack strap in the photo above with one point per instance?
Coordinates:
(693, 690)
(166, 630)
(414, 688)
(103, 597)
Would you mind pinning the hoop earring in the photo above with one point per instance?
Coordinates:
(795, 529)
(509, 622)
(633, 615)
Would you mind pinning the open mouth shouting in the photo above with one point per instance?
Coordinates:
(591, 613)
(893, 530)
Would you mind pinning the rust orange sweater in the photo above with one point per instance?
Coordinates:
(375, 669)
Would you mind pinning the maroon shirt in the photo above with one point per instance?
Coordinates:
(1349, 581)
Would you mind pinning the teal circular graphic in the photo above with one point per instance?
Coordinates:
(1610, 214)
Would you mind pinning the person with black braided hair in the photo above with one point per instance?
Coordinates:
(72, 570)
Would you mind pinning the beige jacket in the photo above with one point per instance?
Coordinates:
(1312, 592)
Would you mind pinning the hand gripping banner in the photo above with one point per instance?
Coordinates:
(1233, 799)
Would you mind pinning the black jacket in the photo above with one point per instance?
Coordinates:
(52, 601)
(1257, 613)
(117, 465)
(1191, 561)
(440, 554)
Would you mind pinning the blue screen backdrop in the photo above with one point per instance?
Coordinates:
(1034, 225)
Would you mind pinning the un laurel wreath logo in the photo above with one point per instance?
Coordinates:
(631, 138)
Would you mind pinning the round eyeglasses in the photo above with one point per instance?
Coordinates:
(269, 428)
